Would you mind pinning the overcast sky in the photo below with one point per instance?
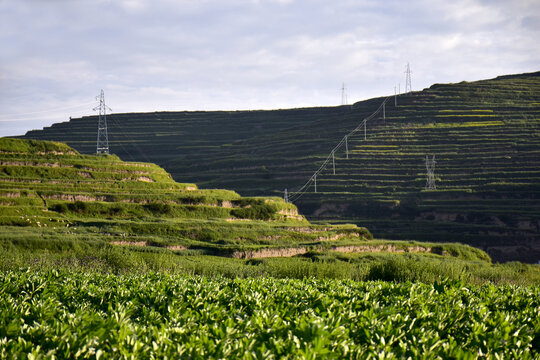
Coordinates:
(151, 55)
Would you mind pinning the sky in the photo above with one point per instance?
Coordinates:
(174, 55)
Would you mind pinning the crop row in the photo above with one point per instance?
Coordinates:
(77, 316)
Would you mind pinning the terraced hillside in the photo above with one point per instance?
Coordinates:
(52, 187)
(485, 136)
(486, 140)
(61, 209)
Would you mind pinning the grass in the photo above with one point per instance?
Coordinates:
(107, 268)
(170, 227)
(59, 313)
(89, 255)
(35, 147)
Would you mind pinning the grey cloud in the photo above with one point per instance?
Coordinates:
(236, 54)
(531, 23)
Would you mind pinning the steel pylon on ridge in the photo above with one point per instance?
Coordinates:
(102, 135)
(344, 95)
(408, 86)
(430, 169)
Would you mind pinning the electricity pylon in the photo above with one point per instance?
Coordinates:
(343, 95)
(430, 168)
(408, 87)
(102, 136)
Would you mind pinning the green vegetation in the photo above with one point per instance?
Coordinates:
(82, 253)
(485, 136)
(59, 193)
(61, 209)
(109, 259)
(78, 316)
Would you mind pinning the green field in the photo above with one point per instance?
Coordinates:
(93, 316)
(485, 136)
(103, 258)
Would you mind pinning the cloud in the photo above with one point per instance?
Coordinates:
(134, 5)
(531, 23)
(241, 54)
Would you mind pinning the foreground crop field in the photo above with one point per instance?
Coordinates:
(74, 315)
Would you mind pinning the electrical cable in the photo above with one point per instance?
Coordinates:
(42, 111)
(295, 195)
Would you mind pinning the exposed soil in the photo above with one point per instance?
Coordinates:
(84, 174)
(288, 212)
(144, 243)
(145, 179)
(176, 247)
(32, 163)
(337, 237)
(289, 252)
(307, 230)
(381, 248)
(55, 153)
(67, 197)
(11, 195)
(134, 164)
(226, 204)
(266, 253)
(129, 243)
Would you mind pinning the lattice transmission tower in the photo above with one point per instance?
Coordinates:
(343, 95)
(430, 168)
(408, 72)
(102, 136)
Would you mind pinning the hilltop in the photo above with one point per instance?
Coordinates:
(485, 136)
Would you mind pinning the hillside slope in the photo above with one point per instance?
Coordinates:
(50, 187)
(61, 209)
(485, 136)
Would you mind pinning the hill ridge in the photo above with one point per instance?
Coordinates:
(484, 133)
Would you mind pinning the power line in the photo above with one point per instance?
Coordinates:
(120, 132)
(46, 111)
(293, 196)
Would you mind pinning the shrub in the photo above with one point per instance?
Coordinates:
(158, 208)
(61, 208)
(256, 212)
(78, 207)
